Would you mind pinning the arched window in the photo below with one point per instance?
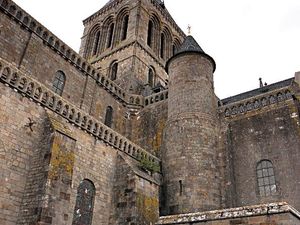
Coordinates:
(151, 77)
(113, 71)
(96, 43)
(162, 46)
(174, 49)
(124, 27)
(59, 82)
(266, 178)
(150, 34)
(176, 45)
(110, 35)
(108, 116)
(83, 212)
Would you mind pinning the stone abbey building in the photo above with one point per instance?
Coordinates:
(130, 132)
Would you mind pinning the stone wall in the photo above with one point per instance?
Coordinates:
(135, 195)
(28, 48)
(44, 163)
(22, 143)
(268, 133)
(148, 126)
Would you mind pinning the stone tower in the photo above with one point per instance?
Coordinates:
(189, 158)
(130, 42)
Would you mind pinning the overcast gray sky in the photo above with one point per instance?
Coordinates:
(247, 38)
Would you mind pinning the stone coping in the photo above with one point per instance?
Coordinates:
(240, 212)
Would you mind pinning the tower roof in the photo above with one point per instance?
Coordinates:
(190, 45)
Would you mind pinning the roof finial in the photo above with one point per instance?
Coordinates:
(260, 83)
(189, 29)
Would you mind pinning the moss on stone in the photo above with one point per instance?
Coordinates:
(62, 160)
(148, 165)
(148, 208)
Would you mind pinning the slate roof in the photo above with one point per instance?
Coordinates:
(258, 91)
(190, 45)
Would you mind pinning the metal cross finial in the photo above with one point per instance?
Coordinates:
(189, 29)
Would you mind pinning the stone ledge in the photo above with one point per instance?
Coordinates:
(233, 213)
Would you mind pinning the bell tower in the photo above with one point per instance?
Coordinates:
(130, 42)
(190, 143)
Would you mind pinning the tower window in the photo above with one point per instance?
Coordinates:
(124, 27)
(113, 71)
(150, 34)
(96, 43)
(266, 178)
(162, 46)
(108, 116)
(151, 77)
(110, 35)
(174, 49)
(83, 212)
(180, 188)
(59, 82)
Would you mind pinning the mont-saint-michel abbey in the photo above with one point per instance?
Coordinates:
(129, 130)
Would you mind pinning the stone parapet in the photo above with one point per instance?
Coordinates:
(158, 97)
(256, 102)
(37, 92)
(67, 53)
(233, 213)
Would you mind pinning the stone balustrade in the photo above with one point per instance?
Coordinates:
(257, 102)
(67, 53)
(38, 93)
(151, 99)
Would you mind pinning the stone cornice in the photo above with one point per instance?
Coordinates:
(241, 212)
(38, 93)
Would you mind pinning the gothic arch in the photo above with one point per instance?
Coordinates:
(113, 70)
(94, 41)
(151, 76)
(153, 35)
(266, 180)
(176, 45)
(83, 211)
(59, 82)
(108, 116)
(109, 31)
(165, 48)
(122, 24)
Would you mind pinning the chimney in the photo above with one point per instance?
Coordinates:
(297, 77)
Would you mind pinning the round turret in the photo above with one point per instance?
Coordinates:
(190, 141)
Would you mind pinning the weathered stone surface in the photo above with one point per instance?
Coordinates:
(271, 214)
(51, 144)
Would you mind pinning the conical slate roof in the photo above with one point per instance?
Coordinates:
(190, 45)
